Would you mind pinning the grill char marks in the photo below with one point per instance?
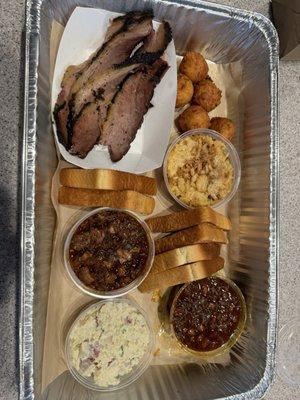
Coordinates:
(131, 103)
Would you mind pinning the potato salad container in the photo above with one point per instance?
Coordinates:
(247, 44)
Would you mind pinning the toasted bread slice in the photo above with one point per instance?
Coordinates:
(183, 274)
(185, 219)
(127, 199)
(204, 233)
(107, 179)
(184, 255)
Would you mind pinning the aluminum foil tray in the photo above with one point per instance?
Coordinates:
(225, 35)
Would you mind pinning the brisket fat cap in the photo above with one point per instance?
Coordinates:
(131, 103)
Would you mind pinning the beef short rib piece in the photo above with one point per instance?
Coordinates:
(127, 110)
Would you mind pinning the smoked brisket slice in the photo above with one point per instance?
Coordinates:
(153, 47)
(61, 109)
(99, 85)
(117, 49)
(101, 88)
(122, 41)
(93, 103)
(85, 131)
(127, 110)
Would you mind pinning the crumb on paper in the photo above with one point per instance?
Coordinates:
(157, 352)
(156, 296)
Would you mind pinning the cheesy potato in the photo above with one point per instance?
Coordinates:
(199, 171)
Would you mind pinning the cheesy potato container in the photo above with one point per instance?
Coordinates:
(203, 172)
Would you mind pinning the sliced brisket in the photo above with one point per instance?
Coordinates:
(61, 110)
(135, 28)
(130, 104)
(117, 49)
(85, 130)
(118, 23)
(93, 103)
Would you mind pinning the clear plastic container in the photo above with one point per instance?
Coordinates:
(289, 353)
(113, 293)
(137, 370)
(234, 336)
(233, 155)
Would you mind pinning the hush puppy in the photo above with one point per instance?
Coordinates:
(207, 95)
(194, 66)
(192, 118)
(224, 126)
(185, 90)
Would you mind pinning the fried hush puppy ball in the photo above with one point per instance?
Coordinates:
(224, 126)
(185, 90)
(193, 117)
(194, 66)
(207, 95)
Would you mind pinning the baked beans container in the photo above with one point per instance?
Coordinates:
(232, 155)
(233, 337)
(113, 293)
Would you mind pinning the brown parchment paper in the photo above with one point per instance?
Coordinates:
(65, 300)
